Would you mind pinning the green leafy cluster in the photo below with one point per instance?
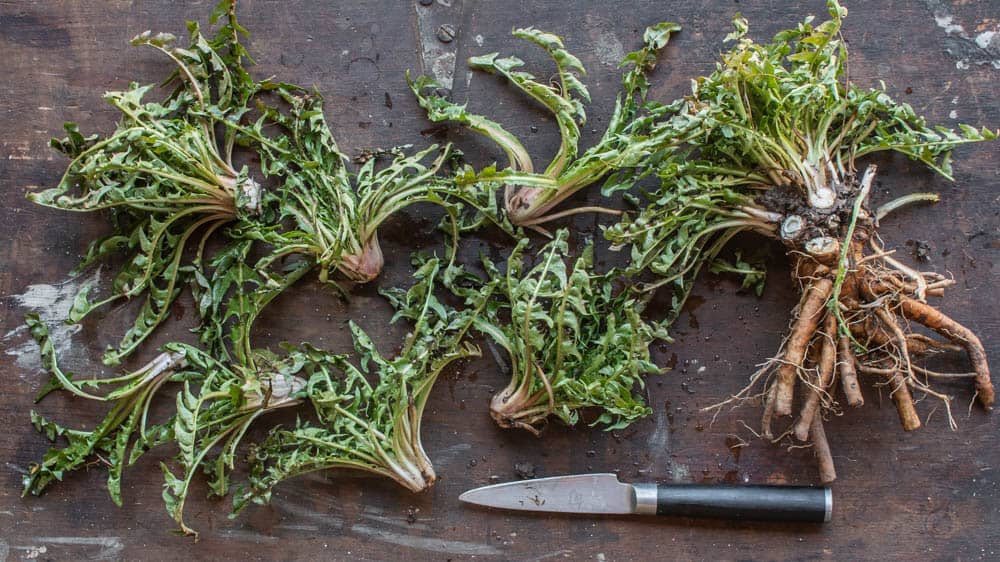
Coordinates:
(531, 194)
(218, 402)
(131, 397)
(787, 110)
(573, 340)
(363, 425)
(335, 213)
(753, 276)
(166, 175)
(212, 417)
(167, 179)
(780, 115)
(372, 425)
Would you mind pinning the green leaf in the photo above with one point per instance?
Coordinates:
(776, 115)
(363, 425)
(165, 175)
(531, 194)
(573, 341)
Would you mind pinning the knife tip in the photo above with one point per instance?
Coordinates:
(475, 496)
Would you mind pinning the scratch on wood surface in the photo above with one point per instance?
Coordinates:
(52, 303)
(659, 441)
(373, 513)
(295, 507)
(298, 527)
(110, 547)
(607, 46)
(33, 552)
(247, 535)
(565, 553)
(497, 356)
(427, 543)
(452, 451)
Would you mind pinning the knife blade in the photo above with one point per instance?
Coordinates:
(604, 494)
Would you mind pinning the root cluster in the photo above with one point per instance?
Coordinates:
(868, 329)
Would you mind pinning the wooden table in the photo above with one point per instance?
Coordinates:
(930, 494)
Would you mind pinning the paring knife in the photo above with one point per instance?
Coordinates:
(604, 494)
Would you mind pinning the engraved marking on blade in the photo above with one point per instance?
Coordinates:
(585, 502)
(535, 499)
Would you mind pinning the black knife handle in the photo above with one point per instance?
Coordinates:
(755, 503)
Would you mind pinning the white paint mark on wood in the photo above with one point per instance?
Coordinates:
(52, 304)
(607, 46)
(451, 452)
(565, 553)
(15, 332)
(947, 23)
(985, 38)
(680, 472)
(110, 547)
(427, 543)
(968, 49)
(33, 552)
(659, 441)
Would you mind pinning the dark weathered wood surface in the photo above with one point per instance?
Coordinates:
(932, 494)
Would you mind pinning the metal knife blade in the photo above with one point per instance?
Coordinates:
(580, 493)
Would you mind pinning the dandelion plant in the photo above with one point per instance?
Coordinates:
(782, 134)
(530, 194)
(335, 213)
(131, 397)
(218, 401)
(168, 178)
(166, 175)
(212, 418)
(574, 341)
(369, 412)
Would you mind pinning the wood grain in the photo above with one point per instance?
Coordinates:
(932, 494)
